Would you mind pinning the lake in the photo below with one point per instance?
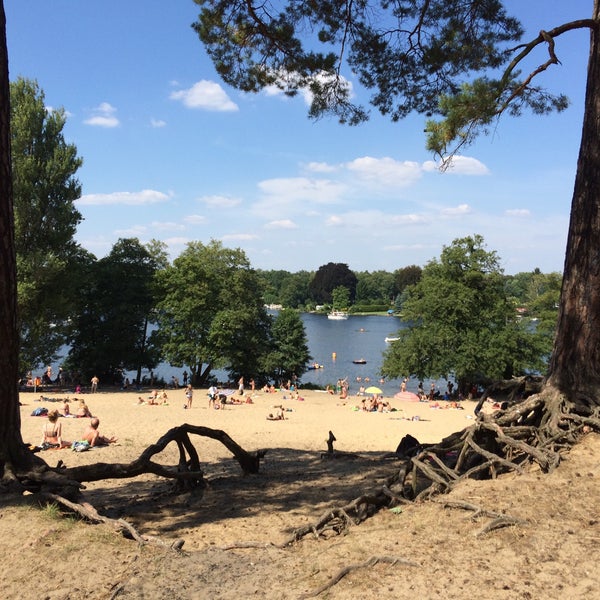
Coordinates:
(335, 344)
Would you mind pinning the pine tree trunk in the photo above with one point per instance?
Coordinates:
(13, 454)
(575, 363)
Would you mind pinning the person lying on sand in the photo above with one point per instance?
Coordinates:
(278, 416)
(93, 437)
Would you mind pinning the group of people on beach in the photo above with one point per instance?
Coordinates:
(52, 429)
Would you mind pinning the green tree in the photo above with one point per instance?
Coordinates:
(327, 278)
(211, 314)
(117, 303)
(462, 322)
(459, 61)
(290, 354)
(294, 290)
(405, 277)
(374, 288)
(45, 189)
(340, 297)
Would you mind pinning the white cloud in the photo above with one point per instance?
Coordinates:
(157, 123)
(457, 211)
(242, 237)
(386, 171)
(281, 224)
(128, 198)
(133, 231)
(195, 219)
(103, 116)
(218, 201)
(320, 191)
(295, 195)
(465, 165)
(205, 95)
(374, 222)
(518, 212)
(320, 167)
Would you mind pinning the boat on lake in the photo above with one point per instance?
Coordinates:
(337, 315)
(390, 339)
(360, 361)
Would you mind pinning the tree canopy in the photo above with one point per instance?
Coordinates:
(45, 188)
(116, 307)
(462, 323)
(327, 278)
(211, 312)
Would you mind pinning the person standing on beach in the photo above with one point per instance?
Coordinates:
(189, 394)
(241, 386)
(94, 381)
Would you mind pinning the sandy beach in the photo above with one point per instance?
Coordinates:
(305, 427)
(231, 530)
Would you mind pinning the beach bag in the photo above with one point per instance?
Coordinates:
(80, 446)
(40, 411)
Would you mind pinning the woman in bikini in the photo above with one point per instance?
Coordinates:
(52, 432)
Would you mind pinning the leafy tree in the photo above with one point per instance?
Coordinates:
(459, 61)
(374, 288)
(462, 322)
(45, 189)
(211, 314)
(111, 332)
(405, 277)
(340, 297)
(290, 354)
(294, 290)
(273, 282)
(327, 278)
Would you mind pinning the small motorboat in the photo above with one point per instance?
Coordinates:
(314, 366)
(359, 361)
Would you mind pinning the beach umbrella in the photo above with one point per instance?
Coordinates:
(373, 390)
(407, 396)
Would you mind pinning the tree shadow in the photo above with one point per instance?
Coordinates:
(290, 481)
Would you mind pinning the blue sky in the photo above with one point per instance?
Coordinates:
(172, 153)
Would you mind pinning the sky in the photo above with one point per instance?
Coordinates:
(172, 153)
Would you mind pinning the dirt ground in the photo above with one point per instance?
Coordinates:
(430, 550)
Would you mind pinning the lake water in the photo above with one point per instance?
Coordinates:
(335, 344)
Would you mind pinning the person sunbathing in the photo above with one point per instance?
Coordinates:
(83, 411)
(52, 432)
(92, 436)
(278, 416)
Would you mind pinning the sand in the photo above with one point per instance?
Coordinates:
(228, 530)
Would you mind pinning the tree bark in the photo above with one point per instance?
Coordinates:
(13, 453)
(575, 364)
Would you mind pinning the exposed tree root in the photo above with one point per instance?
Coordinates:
(88, 512)
(535, 430)
(498, 519)
(63, 485)
(391, 560)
